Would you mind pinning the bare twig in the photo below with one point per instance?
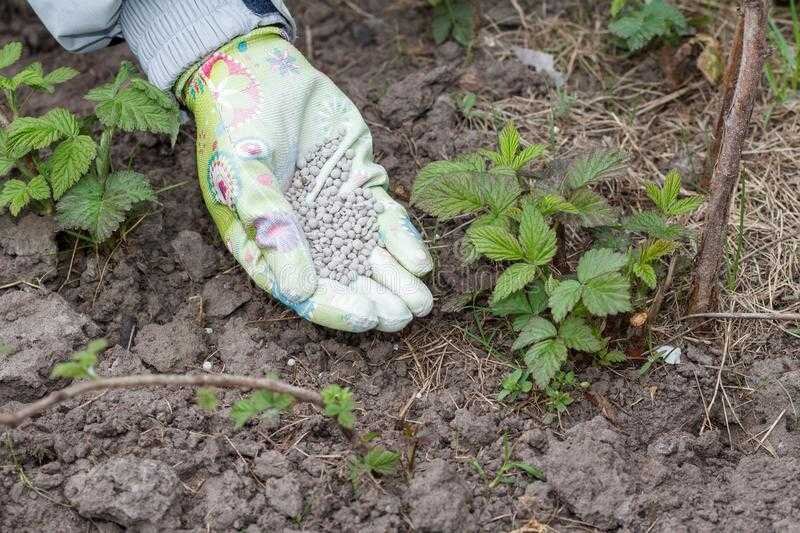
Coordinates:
(735, 125)
(164, 380)
(790, 317)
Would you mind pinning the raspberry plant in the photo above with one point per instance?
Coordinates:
(637, 23)
(519, 222)
(454, 18)
(59, 160)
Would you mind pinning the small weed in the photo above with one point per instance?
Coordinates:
(378, 461)
(61, 161)
(454, 18)
(509, 466)
(638, 23)
(515, 385)
(515, 222)
(81, 364)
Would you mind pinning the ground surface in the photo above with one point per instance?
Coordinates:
(636, 452)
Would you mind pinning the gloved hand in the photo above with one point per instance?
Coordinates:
(261, 108)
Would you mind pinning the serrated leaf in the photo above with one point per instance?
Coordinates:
(550, 204)
(592, 209)
(528, 154)
(686, 205)
(38, 188)
(33, 133)
(463, 22)
(90, 206)
(15, 195)
(496, 243)
(513, 279)
(381, 461)
(537, 296)
(257, 403)
(671, 188)
(656, 250)
(537, 238)
(469, 164)
(10, 54)
(544, 359)
(646, 273)
(563, 298)
(60, 75)
(578, 335)
(516, 304)
(6, 164)
(32, 76)
(597, 262)
(451, 196)
(606, 294)
(654, 225)
(135, 109)
(70, 160)
(339, 404)
(536, 329)
(508, 141)
(593, 167)
(500, 192)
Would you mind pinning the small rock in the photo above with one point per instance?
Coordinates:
(271, 464)
(284, 495)
(475, 429)
(222, 295)
(173, 347)
(439, 499)
(130, 491)
(198, 259)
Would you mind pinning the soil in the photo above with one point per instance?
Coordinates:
(635, 452)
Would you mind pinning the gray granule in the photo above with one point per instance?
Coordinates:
(341, 231)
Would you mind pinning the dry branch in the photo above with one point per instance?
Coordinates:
(785, 317)
(164, 380)
(734, 129)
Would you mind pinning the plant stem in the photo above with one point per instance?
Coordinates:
(735, 127)
(13, 419)
(733, 272)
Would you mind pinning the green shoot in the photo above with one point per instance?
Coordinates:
(339, 405)
(378, 461)
(258, 403)
(81, 364)
(453, 18)
(638, 26)
(206, 399)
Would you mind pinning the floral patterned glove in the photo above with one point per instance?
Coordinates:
(260, 107)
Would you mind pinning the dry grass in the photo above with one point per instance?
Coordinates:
(626, 103)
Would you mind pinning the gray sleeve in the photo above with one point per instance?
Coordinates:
(168, 36)
(80, 25)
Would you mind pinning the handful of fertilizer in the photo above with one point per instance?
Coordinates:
(341, 227)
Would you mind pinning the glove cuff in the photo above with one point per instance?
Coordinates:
(169, 37)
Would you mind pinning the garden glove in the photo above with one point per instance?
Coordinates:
(261, 108)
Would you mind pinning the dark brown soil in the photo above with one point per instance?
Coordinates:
(632, 454)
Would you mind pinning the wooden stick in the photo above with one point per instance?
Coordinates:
(164, 380)
(735, 127)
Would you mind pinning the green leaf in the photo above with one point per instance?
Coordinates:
(592, 209)
(666, 197)
(508, 143)
(15, 194)
(500, 192)
(206, 399)
(451, 196)
(257, 403)
(528, 154)
(81, 364)
(463, 22)
(70, 160)
(514, 278)
(10, 54)
(646, 273)
(593, 167)
(516, 304)
(496, 243)
(686, 205)
(578, 335)
(136, 107)
(606, 294)
(381, 461)
(563, 298)
(468, 164)
(657, 250)
(599, 261)
(60, 75)
(339, 404)
(544, 359)
(536, 329)
(654, 225)
(100, 210)
(32, 76)
(441, 24)
(38, 188)
(616, 7)
(34, 133)
(550, 204)
(537, 238)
